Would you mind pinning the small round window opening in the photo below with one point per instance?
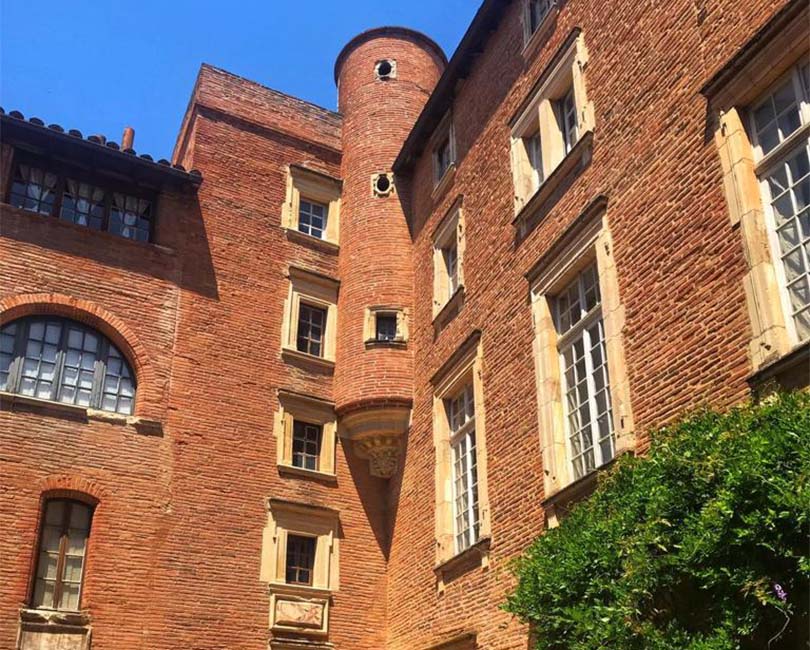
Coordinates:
(385, 69)
(382, 184)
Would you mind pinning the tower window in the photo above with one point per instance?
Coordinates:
(385, 69)
(386, 327)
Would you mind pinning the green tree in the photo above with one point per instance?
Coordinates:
(702, 544)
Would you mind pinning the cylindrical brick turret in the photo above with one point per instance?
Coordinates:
(384, 78)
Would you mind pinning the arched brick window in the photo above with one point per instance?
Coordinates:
(62, 360)
(61, 556)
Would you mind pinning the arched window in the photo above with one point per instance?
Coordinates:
(65, 361)
(64, 532)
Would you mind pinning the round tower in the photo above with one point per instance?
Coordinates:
(384, 78)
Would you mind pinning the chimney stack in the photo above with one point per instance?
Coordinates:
(128, 139)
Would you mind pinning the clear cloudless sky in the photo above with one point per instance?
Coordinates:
(100, 65)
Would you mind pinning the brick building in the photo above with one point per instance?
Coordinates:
(317, 391)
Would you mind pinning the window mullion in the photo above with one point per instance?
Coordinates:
(59, 366)
(592, 409)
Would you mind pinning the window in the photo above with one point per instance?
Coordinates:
(65, 529)
(537, 12)
(461, 415)
(553, 120)
(585, 374)
(38, 189)
(780, 124)
(300, 559)
(760, 101)
(584, 413)
(386, 327)
(312, 206)
(300, 563)
(306, 443)
(444, 152)
(448, 256)
(382, 185)
(305, 428)
(312, 218)
(64, 361)
(567, 120)
(385, 69)
(311, 325)
(462, 511)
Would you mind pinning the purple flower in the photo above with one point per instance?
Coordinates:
(781, 594)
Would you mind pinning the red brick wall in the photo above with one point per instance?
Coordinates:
(680, 266)
(375, 255)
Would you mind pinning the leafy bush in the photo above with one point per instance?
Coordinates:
(700, 545)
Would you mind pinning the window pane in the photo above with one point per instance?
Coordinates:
(300, 559)
(789, 187)
(131, 217)
(312, 218)
(386, 326)
(306, 445)
(83, 204)
(776, 116)
(8, 336)
(33, 189)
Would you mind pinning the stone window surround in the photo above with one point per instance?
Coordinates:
(463, 367)
(319, 291)
(451, 227)
(587, 238)
(538, 115)
(313, 185)
(300, 609)
(534, 40)
(445, 129)
(370, 325)
(295, 406)
(776, 49)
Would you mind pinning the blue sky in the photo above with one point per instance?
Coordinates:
(99, 65)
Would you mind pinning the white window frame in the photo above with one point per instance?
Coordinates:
(462, 435)
(581, 331)
(766, 164)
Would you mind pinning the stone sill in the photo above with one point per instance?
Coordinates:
(301, 472)
(145, 426)
(299, 590)
(578, 157)
(772, 369)
(292, 353)
(541, 34)
(480, 549)
(579, 487)
(323, 245)
(449, 310)
(394, 343)
(108, 236)
(444, 182)
(55, 617)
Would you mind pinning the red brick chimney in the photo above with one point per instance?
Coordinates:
(128, 139)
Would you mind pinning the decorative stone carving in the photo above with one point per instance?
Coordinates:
(376, 432)
(48, 630)
(299, 613)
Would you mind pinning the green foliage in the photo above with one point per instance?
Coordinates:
(682, 548)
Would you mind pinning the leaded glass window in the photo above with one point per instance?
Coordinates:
(586, 384)
(65, 530)
(64, 361)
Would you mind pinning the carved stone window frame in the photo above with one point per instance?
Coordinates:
(312, 185)
(294, 407)
(316, 290)
(587, 240)
(777, 48)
